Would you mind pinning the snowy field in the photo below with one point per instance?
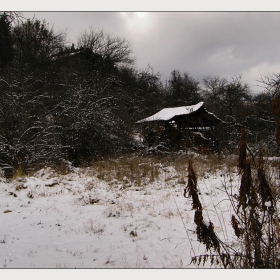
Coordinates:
(80, 220)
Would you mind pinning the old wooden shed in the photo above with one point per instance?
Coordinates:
(182, 127)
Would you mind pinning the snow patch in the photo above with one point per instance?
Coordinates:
(169, 113)
(84, 222)
(268, 204)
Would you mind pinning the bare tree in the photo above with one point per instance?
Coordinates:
(35, 43)
(230, 95)
(271, 84)
(229, 100)
(111, 47)
(272, 91)
(181, 89)
(28, 135)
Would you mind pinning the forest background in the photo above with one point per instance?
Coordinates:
(81, 102)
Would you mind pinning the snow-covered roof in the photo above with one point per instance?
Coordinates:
(169, 113)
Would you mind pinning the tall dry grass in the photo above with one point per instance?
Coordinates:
(143, 170)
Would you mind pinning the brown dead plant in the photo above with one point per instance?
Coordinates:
(255, 219)
(205, 230)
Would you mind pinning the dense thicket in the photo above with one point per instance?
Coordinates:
(62, 102)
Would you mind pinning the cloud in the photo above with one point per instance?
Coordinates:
(200, 43)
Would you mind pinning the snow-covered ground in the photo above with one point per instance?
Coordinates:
(78, 220)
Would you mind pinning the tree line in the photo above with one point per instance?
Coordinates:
(62, 101)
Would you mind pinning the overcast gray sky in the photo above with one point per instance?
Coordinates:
(201, 43)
